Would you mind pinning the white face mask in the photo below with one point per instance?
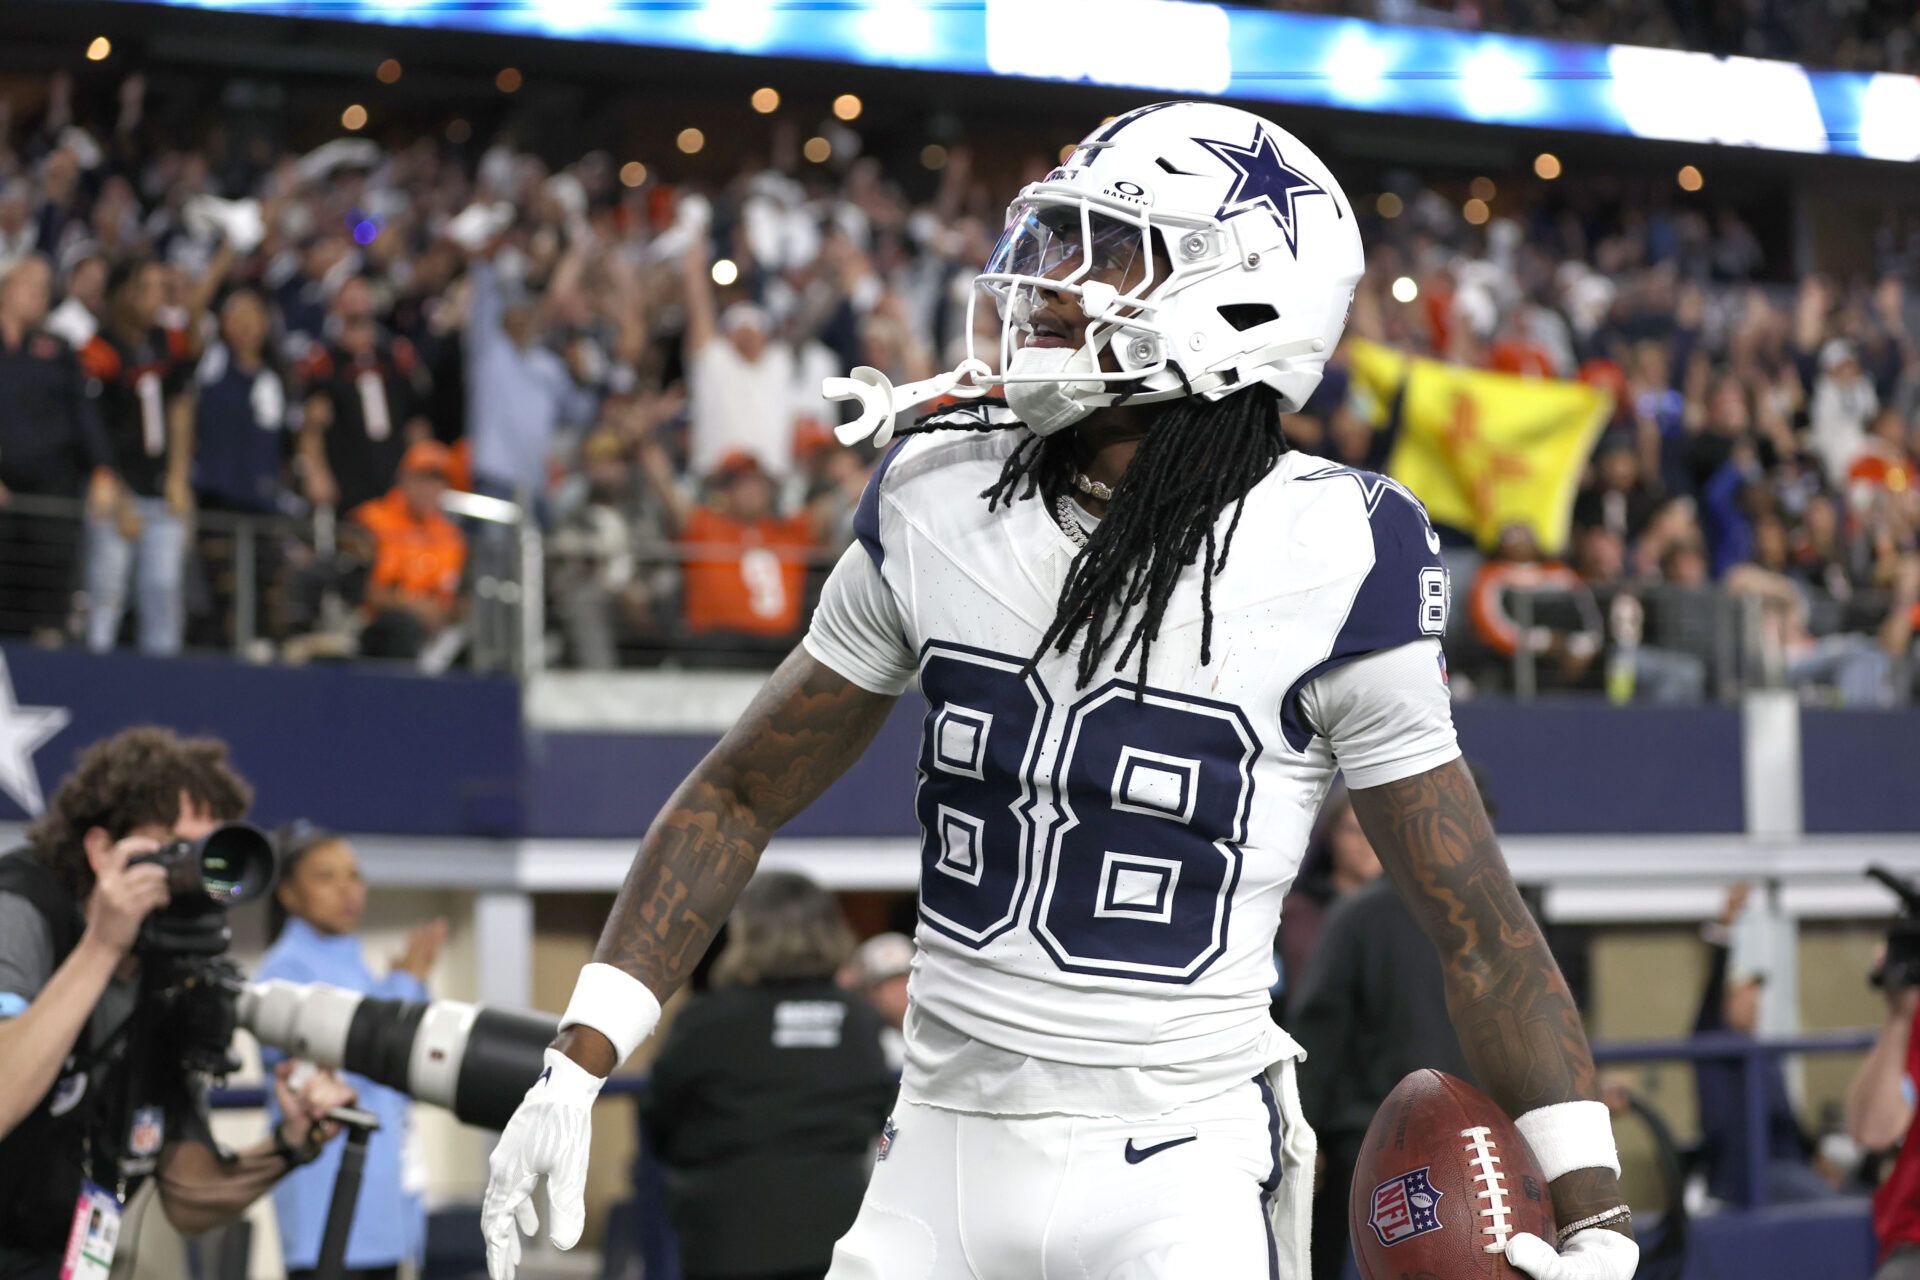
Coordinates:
(1048, 406)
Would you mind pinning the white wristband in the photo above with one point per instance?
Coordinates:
(1570, 1135)
(614, 1003)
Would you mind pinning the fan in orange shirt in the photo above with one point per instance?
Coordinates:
(746, 565)
(417, 560)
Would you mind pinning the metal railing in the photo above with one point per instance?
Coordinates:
(263, 586)
(1740, 657)
(1750, 1053)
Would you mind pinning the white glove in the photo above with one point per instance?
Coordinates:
(549, 1134)
(1593, 1254)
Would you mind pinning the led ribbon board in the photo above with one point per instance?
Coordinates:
(1163, 46)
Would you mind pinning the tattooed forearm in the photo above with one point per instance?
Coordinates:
(803, 730)
(1515, 1016)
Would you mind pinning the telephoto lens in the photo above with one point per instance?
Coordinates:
(474, 1061)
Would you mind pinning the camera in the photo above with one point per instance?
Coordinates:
(187, 985)
(230, 865)
(475, 1062)
(1901, 969)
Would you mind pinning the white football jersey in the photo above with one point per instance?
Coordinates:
(1102, 868)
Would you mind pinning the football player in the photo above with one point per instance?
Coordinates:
(1147, 635)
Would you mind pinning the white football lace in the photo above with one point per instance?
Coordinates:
(1493, 1190)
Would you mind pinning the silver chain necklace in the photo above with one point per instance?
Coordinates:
(1069, 525)
(1091, 487)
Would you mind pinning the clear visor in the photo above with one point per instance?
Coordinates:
(1072, 244)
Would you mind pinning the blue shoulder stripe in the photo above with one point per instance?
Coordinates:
(1402, 599)
(866, 516)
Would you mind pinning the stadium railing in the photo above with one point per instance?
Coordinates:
(1751, 1053)
(264, 578)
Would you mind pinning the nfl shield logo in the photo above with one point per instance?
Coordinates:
(149, 1128)
(886, 1139)
(1405, 1207)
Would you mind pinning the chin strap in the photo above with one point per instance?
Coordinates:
(881, 402)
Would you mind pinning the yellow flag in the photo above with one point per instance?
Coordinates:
(1484, 450)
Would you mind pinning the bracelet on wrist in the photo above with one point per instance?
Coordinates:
(1618, 1214)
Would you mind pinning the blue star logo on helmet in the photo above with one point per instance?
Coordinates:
(1263, 180)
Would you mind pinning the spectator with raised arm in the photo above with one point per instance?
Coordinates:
(519, 393)
(739, 378)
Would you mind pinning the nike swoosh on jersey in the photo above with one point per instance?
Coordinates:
(1136, 1154)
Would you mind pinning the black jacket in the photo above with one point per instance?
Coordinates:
(103, 1099)
(50, 432)
(1373, 1008)
(764, 1105)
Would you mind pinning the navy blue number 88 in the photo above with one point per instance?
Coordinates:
(1139, 871)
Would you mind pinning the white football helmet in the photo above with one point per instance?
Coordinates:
(1258, 254)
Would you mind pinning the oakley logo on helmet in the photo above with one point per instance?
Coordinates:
(1263, 180)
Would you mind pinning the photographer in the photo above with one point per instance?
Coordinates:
(89, 1108)
(1880, 1105)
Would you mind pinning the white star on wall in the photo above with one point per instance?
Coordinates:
(23, 731)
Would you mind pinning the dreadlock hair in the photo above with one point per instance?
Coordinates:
(1198, 458)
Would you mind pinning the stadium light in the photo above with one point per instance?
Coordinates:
(1191, 47)
(508, 81)
(1475, 211)
(632, 173)
(933, 156)
(690, 141)
(1388, 205)
(1405, 290)
(388, 72)
(847, 106)
(1482, 189)
(766, 100)
(817, 149)
(354, 118)
(1689, 178)
(725, 272)
(1546, 166)
(1357, 66)
(100, 50)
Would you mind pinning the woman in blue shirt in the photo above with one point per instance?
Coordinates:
(317, 904)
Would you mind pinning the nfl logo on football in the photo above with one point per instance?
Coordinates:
(1405, 1207)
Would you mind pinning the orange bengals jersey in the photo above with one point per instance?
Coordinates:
(746, 577)
(421, 559)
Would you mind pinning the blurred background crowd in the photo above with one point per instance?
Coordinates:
(263, 363)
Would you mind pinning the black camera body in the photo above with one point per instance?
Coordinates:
(1901, 969)
(188, 986)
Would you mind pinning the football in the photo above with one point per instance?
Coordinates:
(1443, 1178)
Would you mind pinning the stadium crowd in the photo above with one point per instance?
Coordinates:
(225, 326)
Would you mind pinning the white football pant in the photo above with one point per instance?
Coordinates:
(1219, 1190)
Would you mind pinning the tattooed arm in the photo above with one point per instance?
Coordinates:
(803, 730)
(1515, 1017)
